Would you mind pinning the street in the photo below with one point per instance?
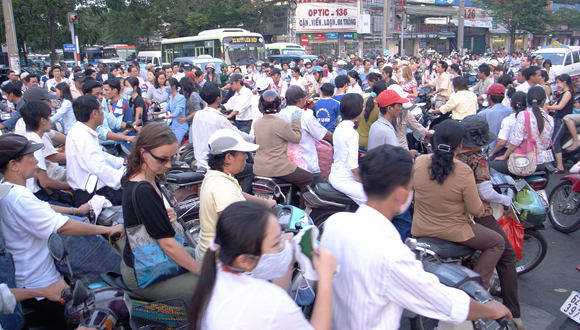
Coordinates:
(543, 290)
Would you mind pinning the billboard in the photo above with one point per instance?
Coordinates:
(326, 17)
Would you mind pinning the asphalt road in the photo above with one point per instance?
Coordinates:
(543, 290)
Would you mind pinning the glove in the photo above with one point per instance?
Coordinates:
(297, 114)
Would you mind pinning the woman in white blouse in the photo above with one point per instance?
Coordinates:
(355, 84)
(238, 294)
(344, 175)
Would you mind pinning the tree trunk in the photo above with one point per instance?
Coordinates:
(22, 48)
(513, 41)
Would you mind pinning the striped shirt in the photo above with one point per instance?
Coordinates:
(380, 276)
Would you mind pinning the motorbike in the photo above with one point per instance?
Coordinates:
(466, 280)
(564, 202)
(569, 156)
(571, 308)
(275, 188)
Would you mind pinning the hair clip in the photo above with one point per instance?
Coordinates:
(534, 101)
(373, 95)
(444, 147)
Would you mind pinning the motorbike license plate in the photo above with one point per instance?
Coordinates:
(572, 306)
(549, 155)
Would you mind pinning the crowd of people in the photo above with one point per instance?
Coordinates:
(360, 105)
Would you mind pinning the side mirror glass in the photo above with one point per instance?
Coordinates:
(80, 294)
(56, 247)
(417, 135)
(91, 185)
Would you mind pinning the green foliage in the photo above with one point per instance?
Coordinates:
(566, 19)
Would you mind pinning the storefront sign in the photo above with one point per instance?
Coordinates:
(349, 36)
(331, 36)
(475, 23)
(312, 17)
(319, 36)
(422, 1)
(278, 20)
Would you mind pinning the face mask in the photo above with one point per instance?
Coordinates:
(128, 91)
(309, 70)
(325, 72)
(209, 69)
(168, 90)
(407, 203)
(340, 67)
(273, 266)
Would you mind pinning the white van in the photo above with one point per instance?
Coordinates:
(565, 59)
(284, 48)
(150, 56)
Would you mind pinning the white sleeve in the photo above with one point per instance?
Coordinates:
(312, 126)
(107, 167)
(288, 316)
(352, 152)
(45, 220)
(244, 102)
(488, 194)
(504, 131)
(7, 300)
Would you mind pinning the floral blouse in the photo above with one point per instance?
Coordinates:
(543, 140)
(480, 166)
(408, 87)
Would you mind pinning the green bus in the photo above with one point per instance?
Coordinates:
(231, 45)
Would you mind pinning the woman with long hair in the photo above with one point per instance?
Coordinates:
(175, 109)
(519, 103)
(65, 113)
(445, 197)
(431, 72)
(409, 84)
(136, 102)
(563, 107)
(157, 94)
(507, 81)
(238, 294)
(542, 127)
(370, 113)
(193, 104)
(355, 84)
(147, 164)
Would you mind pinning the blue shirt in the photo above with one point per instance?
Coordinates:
(121, 108)
(10, 123)
(494, 116)
(177, 108)
(338, 97)
(327, 111)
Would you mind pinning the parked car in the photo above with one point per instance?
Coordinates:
(290, 57)
(200, 62)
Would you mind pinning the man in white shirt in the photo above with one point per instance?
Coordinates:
(278, 84)
(484, 83)
(85, 156)
(27, 223)
(209, 120)
(379, 275)
(533, 77)
(311, 130)
(240, 103)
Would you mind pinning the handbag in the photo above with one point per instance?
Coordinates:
(151, 264)
(523, 161)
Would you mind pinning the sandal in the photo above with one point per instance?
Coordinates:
(557, 170)
(574, 146)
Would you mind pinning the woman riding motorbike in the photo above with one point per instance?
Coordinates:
(446, 198)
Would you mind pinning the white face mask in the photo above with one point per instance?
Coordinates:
(407, 203)
(273, 266)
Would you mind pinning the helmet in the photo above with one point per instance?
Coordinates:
(317, 69)
(270, 102)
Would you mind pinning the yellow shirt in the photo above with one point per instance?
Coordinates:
(443, 82)
(219, 190)
(462, 104)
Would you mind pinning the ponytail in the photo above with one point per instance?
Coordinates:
(536, 98)
(204, 289)
(378, 87)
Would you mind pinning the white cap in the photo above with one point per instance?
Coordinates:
(493, 62)
(4, 189)
(224, 140)
(402, 93)
(341, 62)
(263, 83)
(307, 61)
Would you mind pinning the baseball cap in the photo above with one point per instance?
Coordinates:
(80, 77)
(13, 146)
(223, 65)
(295, 93)
(341, 62)
(496, 90)
(4, 190)
(235, 77)
(187, 66)
(493, 62)
(389, 97)
(402, 93)
(37, 94)
(224, 140)
(351, 56)
(149, 66)
(263, 83)
(307, 61)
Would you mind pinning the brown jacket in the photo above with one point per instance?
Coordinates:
(442, 211)
(272, 135)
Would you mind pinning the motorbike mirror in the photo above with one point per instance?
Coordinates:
(4, 190)
(56, 247)
(125, 150)
(520, 185)
(91, 184)
(417, 135)
(80, 293)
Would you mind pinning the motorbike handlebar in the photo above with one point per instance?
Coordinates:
(503, 323)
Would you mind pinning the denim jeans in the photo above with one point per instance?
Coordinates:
(16, 319)
(403, 223)
(89, 256)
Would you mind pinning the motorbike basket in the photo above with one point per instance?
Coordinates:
(165, 314)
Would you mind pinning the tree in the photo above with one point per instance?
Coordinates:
(518, 16)
(566, 19)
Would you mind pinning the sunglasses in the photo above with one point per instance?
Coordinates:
(160, 160)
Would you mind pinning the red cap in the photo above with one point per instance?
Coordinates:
(389, 97)
(496, 90)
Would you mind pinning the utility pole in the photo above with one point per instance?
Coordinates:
(13, 57)
(403, 27)
(386, 21)
(359, 36)
(72, 20)
(460, 29)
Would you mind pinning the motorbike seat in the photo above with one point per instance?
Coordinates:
(115, 280)
(326, 192)
(278, 181)
(185, 178)
(446, 249)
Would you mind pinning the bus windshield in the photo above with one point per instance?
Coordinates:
(241, 50)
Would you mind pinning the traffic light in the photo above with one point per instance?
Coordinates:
(72, 18)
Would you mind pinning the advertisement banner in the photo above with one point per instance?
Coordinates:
(324, 17)
(278, 20)
(331, 36)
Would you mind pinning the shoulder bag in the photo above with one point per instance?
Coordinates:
(523, 161)
(151, 264)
